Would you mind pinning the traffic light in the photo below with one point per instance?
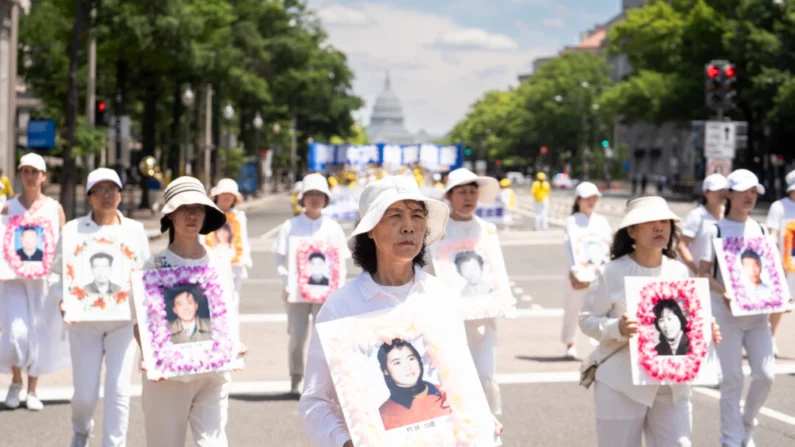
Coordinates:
(544, 150)
(730, 86)
(100, 113)
(713, 87)
(467, 152)
(605, 143)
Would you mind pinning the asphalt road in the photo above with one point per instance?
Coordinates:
(543, 405)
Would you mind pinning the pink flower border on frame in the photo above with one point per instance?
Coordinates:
(175, 360)
(306, 291)
(29, 270)
(678, 369)
(733, 248)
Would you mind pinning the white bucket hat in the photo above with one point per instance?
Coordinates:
(790, 181)
(587, 189)
(647, 209)
(379, 195)
(102, 175)
(743, 180)
(190, 191)
(35, 161)
(488, 187)
(314, 182)
(226, 186)
(714, 182)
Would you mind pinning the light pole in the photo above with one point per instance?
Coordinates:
(229, 113)
(186, 157)
(293, 153)
(276, 151)
(257, 126)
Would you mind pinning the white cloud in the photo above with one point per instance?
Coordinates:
(436, 85)
(474, 39)
(554, 22)
(341, 15)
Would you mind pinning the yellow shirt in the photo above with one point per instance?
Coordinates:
(5, 187)
(540, 190)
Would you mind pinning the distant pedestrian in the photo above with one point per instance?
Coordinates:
(644, 180)
(540, 191)
(661, 180)
(634, 184)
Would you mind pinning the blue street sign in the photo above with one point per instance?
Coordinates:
(41, 134)
(247, 178)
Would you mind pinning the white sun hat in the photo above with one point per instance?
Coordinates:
(714, 182)
(488, 187)
(743, 180)
(102, 175)
(35, 161)
(226, 186)
(314, 182)
(647, 209)
(378, 196)
(790, 181)
(190, 191)
(587, 189)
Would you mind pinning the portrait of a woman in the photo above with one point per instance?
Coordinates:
(411, 398)
(672, 326)
(224, 236)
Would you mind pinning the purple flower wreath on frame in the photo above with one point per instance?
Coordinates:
(733, 247)
(193, 358)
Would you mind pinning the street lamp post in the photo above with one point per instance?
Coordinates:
(186, 158)
(229, 113)
(257, 126)
(276, 152)
(293, 153)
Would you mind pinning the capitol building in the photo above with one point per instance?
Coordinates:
(387, 122)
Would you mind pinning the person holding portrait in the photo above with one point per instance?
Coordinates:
(398, 223)
(644, 246)
(709, 211)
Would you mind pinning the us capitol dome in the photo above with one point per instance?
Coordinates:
(387, 122)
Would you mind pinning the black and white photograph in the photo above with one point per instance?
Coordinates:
(472, 266)
(671, 325)
(29, 243)
(318, 269)
(188, 314)
(98, 278)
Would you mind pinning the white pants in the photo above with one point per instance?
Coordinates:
(542, 215)
(171, 405)
(482, 339)
(572, 302)
(753, 333)
(622, 422)
(298, 329)
(89, 342)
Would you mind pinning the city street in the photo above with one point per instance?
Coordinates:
(543, 404)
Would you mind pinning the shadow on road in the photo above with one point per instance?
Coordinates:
(265, 397)
(540, 359)
(49, 403)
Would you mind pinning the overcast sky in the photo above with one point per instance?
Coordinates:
(443, 54)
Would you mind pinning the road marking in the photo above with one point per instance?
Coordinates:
(769, 412)
(269, 234)
(536, 312)
(537, 277)
(526, 298)
(518, 290)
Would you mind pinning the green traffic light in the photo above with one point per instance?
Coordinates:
(468, 152)
(605, 143)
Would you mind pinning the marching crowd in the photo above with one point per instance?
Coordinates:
(390, 244)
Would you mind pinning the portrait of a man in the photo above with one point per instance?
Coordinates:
(671, 324)
(101, 270)
(595, 253)
(29, 241)
(752, 268)
(470, 266)
(188, 314)
(412, 399)
(318, 270)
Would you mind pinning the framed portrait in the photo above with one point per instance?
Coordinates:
(229, 238)
(28, 247)
(404, 376)
(184, 323)
(475, 268)
(789, 247)
(590, 252)
(96, 275)
(753, 274)
(314, 270)
(674, 341)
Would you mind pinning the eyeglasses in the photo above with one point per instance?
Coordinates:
(104, 191)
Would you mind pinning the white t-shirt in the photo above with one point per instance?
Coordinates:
(695, 221)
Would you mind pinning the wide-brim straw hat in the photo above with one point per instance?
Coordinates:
(488, 187)
(226, 186)
(190, 191)
(378, 196)
(314, 182)
(647, 209)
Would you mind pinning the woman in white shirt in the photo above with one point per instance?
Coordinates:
(582, 222)
(751, 332)
(626, 413)
(708, 213)
(389, 245)
(31, 340)
(313, 197)
(90, 341)
(200, 401)
(779, 217)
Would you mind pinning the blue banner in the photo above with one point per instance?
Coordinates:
(247, 178)
(41, 134)
(390, 156)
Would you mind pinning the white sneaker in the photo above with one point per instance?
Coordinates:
(571, 353)
(12, 398)
(295, 385)
(33, 403)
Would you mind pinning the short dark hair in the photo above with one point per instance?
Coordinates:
(475, 184)
(24, 229)
(750, 254)
(674, 307)
(465, 256)
(195, 290)
(318, 255)
(100, 255)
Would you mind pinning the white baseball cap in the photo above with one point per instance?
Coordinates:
(647, 209)
(226, 186)
(587, 189)
(378, 196)
(743, 180)
(488, 187)
(35, 161)
(714, 182)
(102, 175)
(314, 182)
(790, 181)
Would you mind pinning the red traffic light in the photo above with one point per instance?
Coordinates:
(713, 71)
(101, 106)
(544, 149)
(729, 71)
